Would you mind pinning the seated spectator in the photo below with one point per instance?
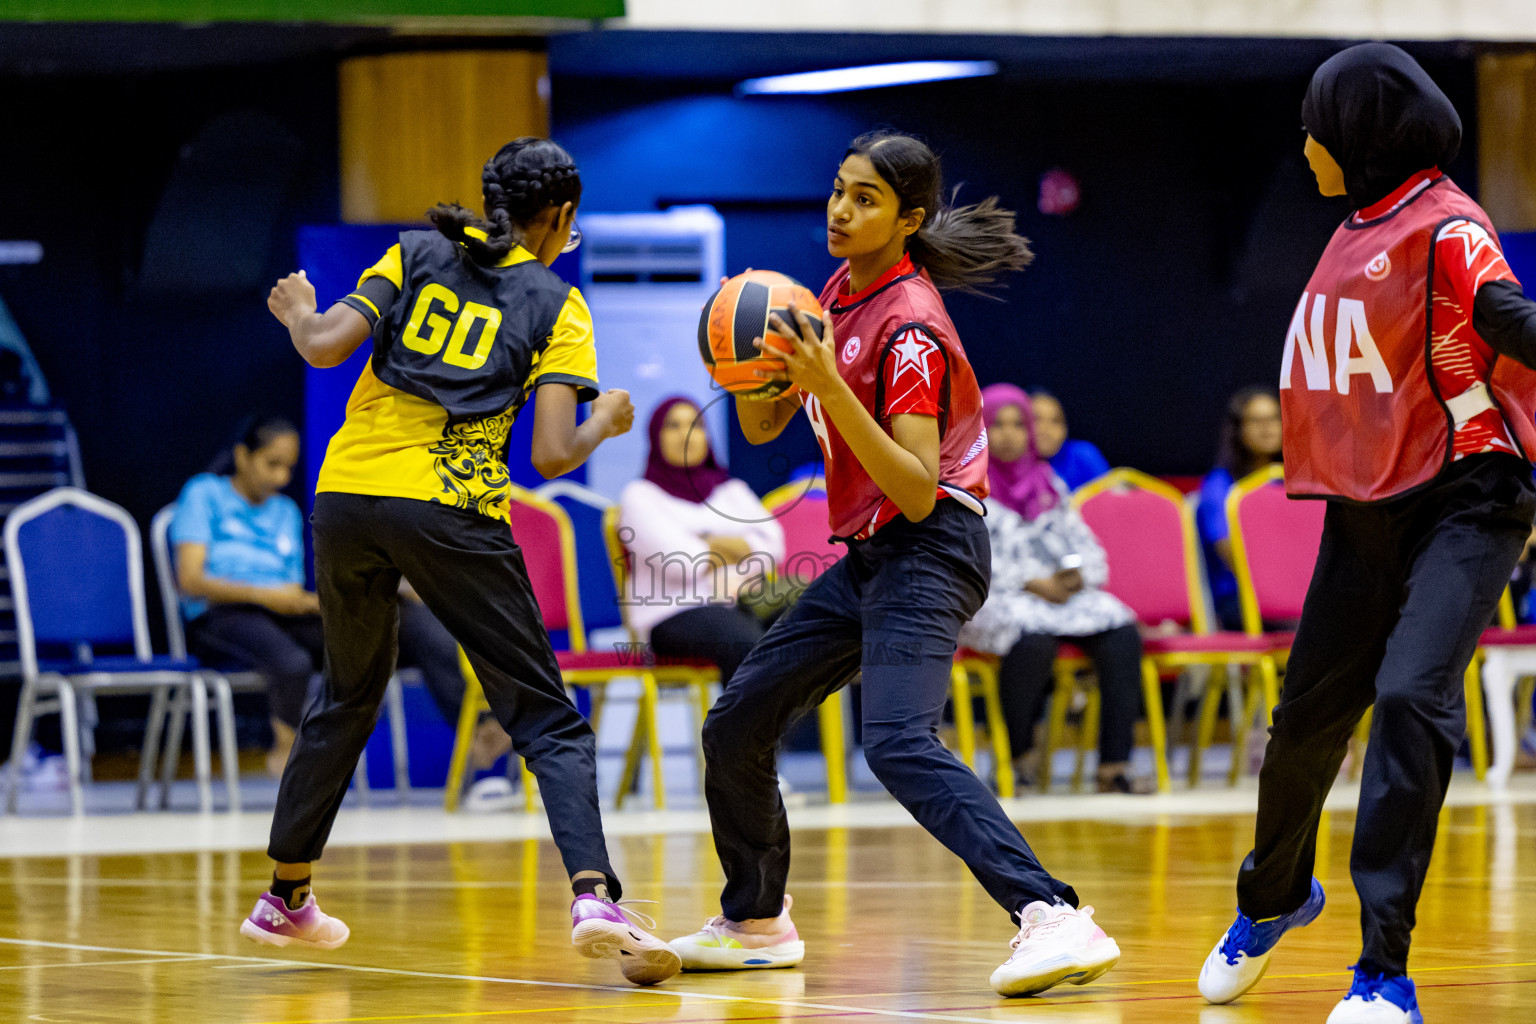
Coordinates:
(1048, 572)
(1250, 440)
(240, 567)
(1074, 461)
(696, 537)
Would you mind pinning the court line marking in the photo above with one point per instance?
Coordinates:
(100, 963)
(679, 994)
(684, 996)
(937, 1013)
(460, 1014)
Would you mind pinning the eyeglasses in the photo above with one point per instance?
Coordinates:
(575, 239)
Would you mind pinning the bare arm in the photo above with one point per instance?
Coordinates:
(191, 560)
(762, 421)
(323, 339)
(904, 464)
(559, 444)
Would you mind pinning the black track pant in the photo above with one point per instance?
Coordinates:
(1401, 592)
(891, 608)
(470, 574)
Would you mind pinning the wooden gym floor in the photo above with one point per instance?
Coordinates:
(895, 929)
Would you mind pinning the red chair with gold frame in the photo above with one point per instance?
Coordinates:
(1270, 534)
(697, 676)
(1150, 542)
(548, 542)
(1274, 549)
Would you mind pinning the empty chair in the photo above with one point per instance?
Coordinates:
(1147, 531)
(77, 573)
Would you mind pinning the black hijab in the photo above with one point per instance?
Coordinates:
(1381, 117)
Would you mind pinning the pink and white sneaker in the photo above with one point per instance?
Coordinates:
(1054, 944)
(602, 929)
(273, 924)
(722, 946)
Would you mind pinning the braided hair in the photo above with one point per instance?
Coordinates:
(963, 248)
(525, 176)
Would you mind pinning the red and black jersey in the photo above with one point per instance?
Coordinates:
(1384, 382)
(899, 352)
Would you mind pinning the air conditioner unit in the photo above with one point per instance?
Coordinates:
(646, 277)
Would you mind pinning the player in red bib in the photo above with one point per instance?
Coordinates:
(1407, 404)
(895, 405)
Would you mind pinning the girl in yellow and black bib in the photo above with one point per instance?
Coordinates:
(465, 321)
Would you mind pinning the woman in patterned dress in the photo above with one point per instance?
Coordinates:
(1048, 574)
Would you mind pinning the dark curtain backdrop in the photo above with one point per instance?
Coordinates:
(1170, 288)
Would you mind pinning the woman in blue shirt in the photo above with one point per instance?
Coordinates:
(1250, 440)
(1074, 460)
(239, 546)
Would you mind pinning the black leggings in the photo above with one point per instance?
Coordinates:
(1025, 680)
(891, 608)
(723, 634)
(286, 649)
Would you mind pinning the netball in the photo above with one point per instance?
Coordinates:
(738, 314)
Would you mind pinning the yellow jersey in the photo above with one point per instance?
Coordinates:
(457, 350)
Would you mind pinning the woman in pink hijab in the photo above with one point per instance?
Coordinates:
(1048, 572)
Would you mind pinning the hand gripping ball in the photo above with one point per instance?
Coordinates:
(737, 314)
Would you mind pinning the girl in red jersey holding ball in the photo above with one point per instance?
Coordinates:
(897, 411)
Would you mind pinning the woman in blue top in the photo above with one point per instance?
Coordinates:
(1074, 460)
(239, 545)
(240, 565)
(1250, 440)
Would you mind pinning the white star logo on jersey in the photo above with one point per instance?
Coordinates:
(1474, 237)
(912, 352)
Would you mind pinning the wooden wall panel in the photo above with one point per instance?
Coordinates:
(417, 127)
(1506, 109)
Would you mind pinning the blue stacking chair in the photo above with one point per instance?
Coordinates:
(224, 680)
(77, 575)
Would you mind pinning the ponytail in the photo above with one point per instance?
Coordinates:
(518, 183)
(963, 248)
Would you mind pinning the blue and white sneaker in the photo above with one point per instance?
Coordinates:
(1378, 999)
(1242, 956)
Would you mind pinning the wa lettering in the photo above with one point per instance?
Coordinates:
(1354, 348)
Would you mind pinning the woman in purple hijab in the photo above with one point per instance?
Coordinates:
(696, 536)
(1023, 482)
(1048, 574)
